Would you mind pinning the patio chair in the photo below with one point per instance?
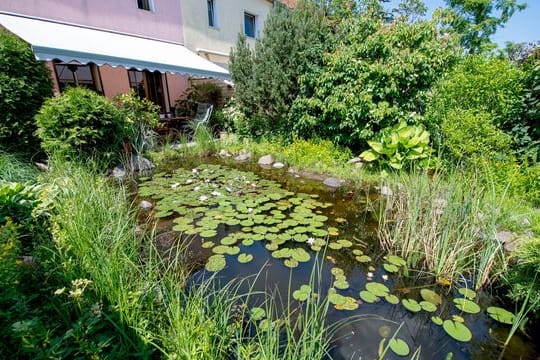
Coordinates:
(202, 115)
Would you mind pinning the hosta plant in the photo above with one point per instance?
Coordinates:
(398, 146)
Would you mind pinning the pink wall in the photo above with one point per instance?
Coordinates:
(115, 80)
(177, 85)
(165, 22)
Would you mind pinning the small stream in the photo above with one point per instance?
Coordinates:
(359, 338)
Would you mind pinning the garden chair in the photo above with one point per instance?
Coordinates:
(202, 115)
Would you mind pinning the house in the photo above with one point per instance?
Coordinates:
(150, 46)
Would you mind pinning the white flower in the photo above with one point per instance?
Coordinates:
(229, 189)
(384, 277)
(216, 193)
(203, 198)
(197, 188)
(195, 171)
(189, 181)
(369, 274)
(250, 210)
(311, 241)
(207, 180)
(175, 185)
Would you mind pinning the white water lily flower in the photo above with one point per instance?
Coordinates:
(384, 277)
(203, 198)
(207, 180)
(311, 241)
(189, 181)
(250, 210)
(216, 193)
(369, 274)
(196, 188)
(195, 171)
(175, 185)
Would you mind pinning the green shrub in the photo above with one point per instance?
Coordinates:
(80, 123)
(24, 86)
(378, 76)
(398, 146)
(318, 155)
(468, 135)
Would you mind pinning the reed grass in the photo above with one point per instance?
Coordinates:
(446, 225)
(13, 169)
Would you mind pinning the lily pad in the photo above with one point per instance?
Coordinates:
(392, 299)
(215, 263)
(341, 284)
(399, 346)
(377, 289)
(391, 268)
(430, 296)
(363, 259)
(501, 315)
(396, 260)
(368, 296)
(428, 306)
(303, 293)
(411, 305)
(245, 258)
(207, 244)
(247, 242)
(345, 243)
(291, 263)
(467, 306)
(468, 293)
(437, 320)
(457, 330)
(257, 313)
(357, 252)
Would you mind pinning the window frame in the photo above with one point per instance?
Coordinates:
(96, 82)
(212, 14)
(247, 16)
(141, 5)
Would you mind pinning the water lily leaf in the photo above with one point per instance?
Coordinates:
(392, 299)
(335, 298)
(215, 263)
(368, 296)
(345, 243)
(468, 293)
(357, 252)
(257, 313)
(411, 305)
(399, 346)
(291, 263)
(431, 296)
(340, 220)
(363, 259)
(348, 304)
(303, 293)
(437, 320)
(267, 324)
(396, 260)
(300, 255)
(337, 271)
(245, 258)
(458, 318)
(229, 240)
(333, 231)
(467, 306)
(334, 246)
(233, 250)
(220, 249)
(207, 244)
(341, 284)
(428, 306)
(457, 330)
(271, 246)
(501, 315)
(377, 289)
(247, 242)
(391, 268)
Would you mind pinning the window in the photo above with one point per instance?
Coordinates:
(148, 85)
(144, 4)
(78, 75)
(211, 13)
(249, 25)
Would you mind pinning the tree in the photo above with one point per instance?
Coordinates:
(24, 86)
(476, 20)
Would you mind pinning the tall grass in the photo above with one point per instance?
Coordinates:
(446, 225)
(13, 169)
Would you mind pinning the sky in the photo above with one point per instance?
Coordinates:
(524, 26)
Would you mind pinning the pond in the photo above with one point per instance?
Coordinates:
(243, 221)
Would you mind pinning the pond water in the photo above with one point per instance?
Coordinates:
(244, 221)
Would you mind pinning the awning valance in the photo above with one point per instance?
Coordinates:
(51, 40)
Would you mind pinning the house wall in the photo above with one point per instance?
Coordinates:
(199, 36)
(164, 22)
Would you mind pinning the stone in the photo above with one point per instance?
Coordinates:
(139, 163)
(119, 173)
(333, 182)
(243, 156)
(146, 205)
(355, 160)
(278, 165)
(42, 166)
(508, 240)
(224, 153)
(266, 160)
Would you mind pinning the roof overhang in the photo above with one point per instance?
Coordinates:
(68, 42)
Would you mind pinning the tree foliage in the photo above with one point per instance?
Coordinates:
(476, 20)
(24, 86)
(378, 76)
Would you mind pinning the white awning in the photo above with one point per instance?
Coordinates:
(51, 40)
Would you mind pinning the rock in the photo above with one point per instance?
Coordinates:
(146, 205)
(355, 160)
(333, 182)
(42, 166)
(243, 156)
(224, 153)
(386, 191)
(266, 160)
(139, 163)
(278, 165)
(181, 146)
(508, 240)
(119, 173)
